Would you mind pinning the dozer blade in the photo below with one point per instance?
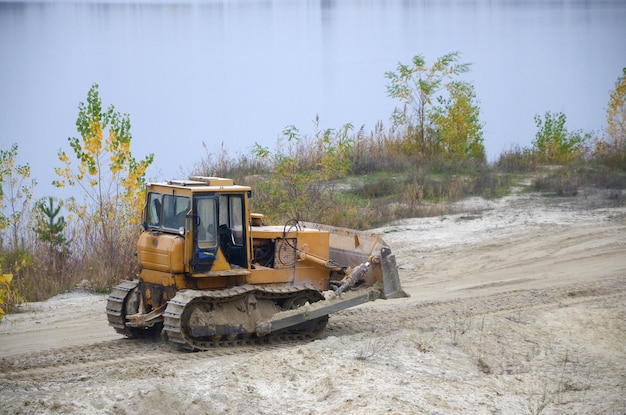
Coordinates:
(308, 312)
(351, 247)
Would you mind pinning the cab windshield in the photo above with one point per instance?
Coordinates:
(167, 211)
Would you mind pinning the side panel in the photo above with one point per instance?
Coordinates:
(219, 283)
(314, 243)
(264, 275)
(161, 252)
(166, 279)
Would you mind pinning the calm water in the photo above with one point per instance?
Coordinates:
(233, 73)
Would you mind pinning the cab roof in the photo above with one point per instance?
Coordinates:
(202, 184)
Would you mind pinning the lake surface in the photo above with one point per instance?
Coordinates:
(232, 73)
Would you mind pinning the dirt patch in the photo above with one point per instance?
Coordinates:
(517, 306)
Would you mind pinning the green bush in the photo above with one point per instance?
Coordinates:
(554, 143)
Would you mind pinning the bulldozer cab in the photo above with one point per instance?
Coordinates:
(210, 217)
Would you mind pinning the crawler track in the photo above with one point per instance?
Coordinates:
(116, 303)
(179, 309)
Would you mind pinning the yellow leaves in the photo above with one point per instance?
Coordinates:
(5, 291)
(6, 278)
(93, 142)
(79, 211)
(616, 112)
(64, 173)
(112, 143)
(123, 146)
(64, 158)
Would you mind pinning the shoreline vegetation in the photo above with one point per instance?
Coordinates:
(430, 157)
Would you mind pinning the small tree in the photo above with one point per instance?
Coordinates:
(416, 86)
(613, 149)
(110, 178)
(457, 123)
(616, 112)
(50, 228)
(16, 193)
(553, 142)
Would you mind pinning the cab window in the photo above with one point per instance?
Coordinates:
(231, 216)
(153, 214)
(206, 221)
(175, 209)
(167, 211)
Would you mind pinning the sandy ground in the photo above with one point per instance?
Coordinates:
(518, 306)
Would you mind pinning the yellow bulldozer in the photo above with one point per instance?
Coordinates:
(212, 273)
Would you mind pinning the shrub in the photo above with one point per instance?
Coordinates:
(554, 143)
(9, 294)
